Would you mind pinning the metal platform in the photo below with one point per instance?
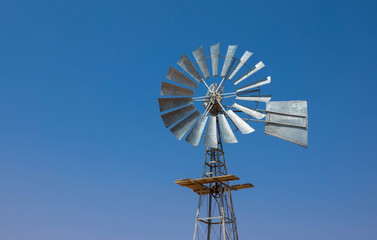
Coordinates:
(199, 187)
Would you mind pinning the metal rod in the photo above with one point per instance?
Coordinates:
(206, 218)
(286, 114)
(206, 85)
(276, 123)
(210, 105)
(201, 97)
(262, 110)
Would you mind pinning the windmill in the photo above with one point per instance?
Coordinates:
(198, 105)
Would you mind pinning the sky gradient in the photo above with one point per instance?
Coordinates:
(84, 153)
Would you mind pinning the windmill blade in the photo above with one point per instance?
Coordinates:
(226, 130)
(247, 92)
(215, 49)
(288, 120)
(261, 98)
(168, 89)
(185, 63)
(228, 59)
(256, 68)
(201, 60)
(249, 111)
(255, 84)
(172, 103)
(210, 139)
(183, 126)
(172, 117)
(240, 124)
(179, 77)
(243, 60)
(196, 132)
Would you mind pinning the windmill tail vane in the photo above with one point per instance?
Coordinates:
(231, 101)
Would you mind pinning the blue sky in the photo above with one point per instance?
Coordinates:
(84, 153)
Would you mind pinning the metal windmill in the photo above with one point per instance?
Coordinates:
(215, 218)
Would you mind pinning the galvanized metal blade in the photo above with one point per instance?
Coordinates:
(248, 111)
(168, 89)
(201, 60)
(293, 108)
(253, 70)
(247, 92)
(228, 59)
(210, 138)
(183, 126)
(196, 132)
(172, 117)
(240, 124)
(261, 98)
(215, 49)
(185, 63)
(226, 130)
(172, 103)
(179, 77)
(243, 60)
(255, 84)
(288, 120)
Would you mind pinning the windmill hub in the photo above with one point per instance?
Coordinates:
(215, 96)
(213, 103)
(213, 100)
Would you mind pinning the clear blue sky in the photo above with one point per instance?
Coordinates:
(84, 153)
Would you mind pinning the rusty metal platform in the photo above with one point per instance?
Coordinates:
(199, 187)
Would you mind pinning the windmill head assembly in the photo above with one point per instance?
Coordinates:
(217, 106)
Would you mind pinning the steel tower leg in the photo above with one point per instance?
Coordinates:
(215, 218)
